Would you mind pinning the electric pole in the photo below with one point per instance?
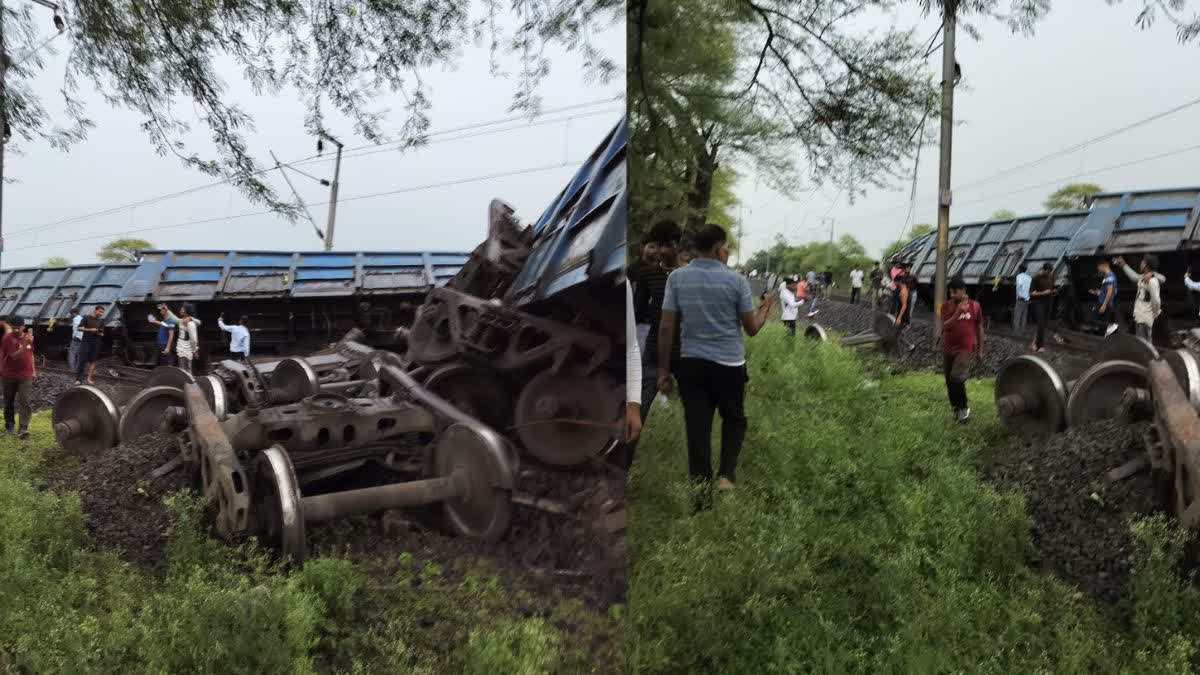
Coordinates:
(949, 68)
(333, 189)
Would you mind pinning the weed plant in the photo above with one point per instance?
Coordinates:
(861, 539)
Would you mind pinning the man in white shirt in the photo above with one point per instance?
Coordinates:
(239, 337)
(856, 277)
(633, 372)
(76, 339)
(1021, 308)
(789, 307)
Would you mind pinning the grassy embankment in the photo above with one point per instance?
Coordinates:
(862, 539)
(66, 607)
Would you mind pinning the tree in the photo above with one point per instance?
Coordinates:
(1072, 197)
(123, 250)
(160, 59)
(765, 84)
(56, 261)
(1004, 214)
(783, 258)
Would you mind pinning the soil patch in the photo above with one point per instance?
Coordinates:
(848, 319)
(122, 505)
(1078, 520)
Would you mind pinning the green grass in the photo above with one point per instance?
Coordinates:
(861, 539)
(66, 607)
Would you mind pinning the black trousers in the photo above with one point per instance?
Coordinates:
(706, 387)
(956, 379)
(790, 325)
(854, 293)
(1041, 317)
(167, 359)
(16, 400)
(89, 350)
(649, 391)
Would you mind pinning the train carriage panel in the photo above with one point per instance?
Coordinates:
(581, 237)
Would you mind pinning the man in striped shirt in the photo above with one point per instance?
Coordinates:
(715, 306)
(647, 302)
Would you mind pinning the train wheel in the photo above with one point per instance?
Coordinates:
(1187, 370)
(480, 459)
(1127, 347)
(276, 500)
(815, 332)
(156, 409)
(168, 376)
(1031, 397)
(1099, 392)
(474, 391)
(565, 418)
(85, 421)
(293, 380)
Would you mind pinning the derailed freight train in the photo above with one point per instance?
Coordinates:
(291, 301)
(989, 254)
(528, 334)
(511, 371)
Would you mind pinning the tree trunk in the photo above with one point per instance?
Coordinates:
(702, 185)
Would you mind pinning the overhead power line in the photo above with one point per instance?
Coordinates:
(374, 195)
(1058, 153)
(1079, 146)
(383, 147)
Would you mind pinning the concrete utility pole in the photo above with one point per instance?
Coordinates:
(949, 10)
(333, 191)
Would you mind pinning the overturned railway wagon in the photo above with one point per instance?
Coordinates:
(508, 369)
(292, 301)
(988, 254)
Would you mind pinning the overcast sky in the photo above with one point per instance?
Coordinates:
(1087, 70)
(117, 165)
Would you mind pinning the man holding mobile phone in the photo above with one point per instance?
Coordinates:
(18, 375)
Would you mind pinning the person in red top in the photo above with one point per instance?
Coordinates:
(962, 338)
(17, 374)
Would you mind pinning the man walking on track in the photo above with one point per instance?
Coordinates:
(715, 305)
(92, 328)
(856, 277)
(962, 337)
(1107, 298)
(18, 376)
(1041, 298)
(1021, 308)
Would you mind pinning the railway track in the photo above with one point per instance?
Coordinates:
(107, 372)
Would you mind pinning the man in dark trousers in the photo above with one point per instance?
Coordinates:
(92, 328)
(715, 305)
(1041, 300)
(18, 376)
(962, 338)
(649, 288)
